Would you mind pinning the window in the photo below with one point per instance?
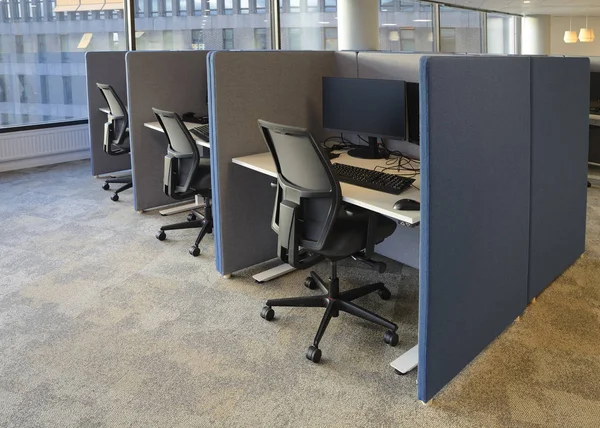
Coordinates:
(139, 8)
(19, 47)
(462, 30)
(407, 40)
(153, 4)
(168, 7)
(228, 7)
(312, 6)
(294, 6)
(295, 39)
(41, 48)
(67, 90)
(501, 34)
(330, 6)
(260, 38)
(447, 40)
(22, 89)
(197, 40)
(227, 38)
(244, 7)
(197, 7)
(331, 39)
(44, 89)
(406, 25)
(213, 6)
(182, 8)
(3, 95)
(261, 6)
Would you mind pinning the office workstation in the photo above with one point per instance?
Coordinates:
(510, 249)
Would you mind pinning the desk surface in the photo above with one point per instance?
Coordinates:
(595, 119)
(156, 126)
(379, 202)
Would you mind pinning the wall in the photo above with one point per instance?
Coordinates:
(560, 24)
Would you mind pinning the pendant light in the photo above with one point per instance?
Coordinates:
(570, 36)
(586, 35)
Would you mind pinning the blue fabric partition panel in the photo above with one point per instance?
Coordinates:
(475, 158)
(560, 89)
(174, 81)
(283, 87)
(109, 68)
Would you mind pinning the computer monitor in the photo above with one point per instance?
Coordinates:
(412, 112)
(595, 87)
(371, 107)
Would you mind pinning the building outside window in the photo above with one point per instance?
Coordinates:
(260, 38)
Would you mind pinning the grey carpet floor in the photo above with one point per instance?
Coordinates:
(102, 325)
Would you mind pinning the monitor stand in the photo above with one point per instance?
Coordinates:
(371, 152)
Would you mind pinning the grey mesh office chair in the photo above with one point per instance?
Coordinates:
(313, 224)
(186, 174)
(116, 136)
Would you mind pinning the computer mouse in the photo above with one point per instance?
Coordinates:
(407, 205)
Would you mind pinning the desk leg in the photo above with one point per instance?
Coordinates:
(407, 361)
(273, 273)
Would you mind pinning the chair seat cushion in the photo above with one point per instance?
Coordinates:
(201, 181)
(349, 234)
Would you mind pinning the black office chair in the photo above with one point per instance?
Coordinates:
(313, 224)
(116, 136)
(186, 174)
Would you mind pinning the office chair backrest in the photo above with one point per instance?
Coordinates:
(183, 156)
(308, 194)
(117, 118)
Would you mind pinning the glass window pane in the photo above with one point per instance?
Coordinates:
(313, 30)
(206, 27)
(461, 30)
(405, 26)
(501, 33)
(42, 70)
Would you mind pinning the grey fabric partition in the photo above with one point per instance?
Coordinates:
(175, 81)
(282, 87)
(403, 245)
(559, 152)
(109, 68)
(475, 165)
(595, 64)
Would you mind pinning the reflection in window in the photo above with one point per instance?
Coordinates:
(330, 6)
(467, 30)
(312, 6)
(197, 40)
(295, 39)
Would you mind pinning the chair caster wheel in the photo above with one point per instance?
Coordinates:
(309, 282)
(114, 197)
(314, 354)
(106, 186)
(267, 313)
(391, 338)
(191, 217)
(384, 293)
(194, 251)
(161, 235)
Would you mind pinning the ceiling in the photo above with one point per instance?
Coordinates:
(534, 7)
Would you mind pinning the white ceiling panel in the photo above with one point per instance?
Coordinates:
(535, 7)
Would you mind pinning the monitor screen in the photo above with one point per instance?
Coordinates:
(412, 110)
(370, 107)
(595, 87)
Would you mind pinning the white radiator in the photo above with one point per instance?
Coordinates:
(26, 149)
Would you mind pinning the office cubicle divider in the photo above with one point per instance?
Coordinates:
(476, 160)
(109, 68)
(559, 152)
(475, 157)
(282, 87)
(595, 64)
(174, 81)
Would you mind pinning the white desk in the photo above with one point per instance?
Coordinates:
(595, 119)
(379, 202)
(156, 127)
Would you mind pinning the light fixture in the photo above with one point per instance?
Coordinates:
(586, 35)
(570, 36)
(421, 20)
(388, 25)
(394, 36)
(85, 41)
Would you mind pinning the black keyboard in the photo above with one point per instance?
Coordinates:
(380, 181)
(201, 131)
